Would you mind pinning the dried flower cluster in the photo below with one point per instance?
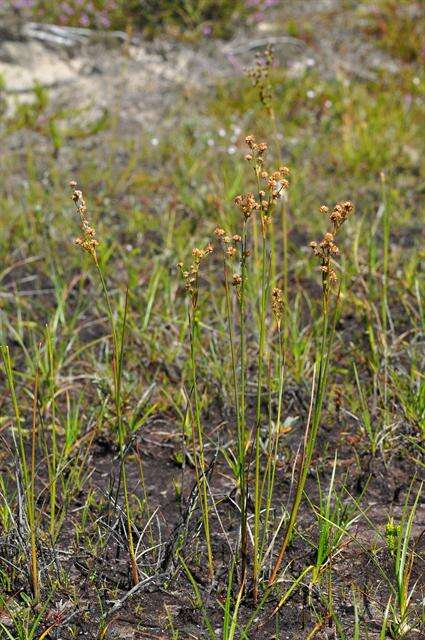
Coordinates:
(87, 240)
(190, 275)
(247, 204)
(259, 75)
(270, 185)
(230, 247)
(327, 248)
(277, 304)
(229, 242)
(270, 188)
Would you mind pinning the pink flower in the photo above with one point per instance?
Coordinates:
(258, 16)
(104, 21)
(23, 4)
(66, 9)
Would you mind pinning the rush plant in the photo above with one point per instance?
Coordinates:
(325, 250)
(88, 242)
(254, 461)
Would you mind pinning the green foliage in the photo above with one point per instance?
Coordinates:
(398, 25)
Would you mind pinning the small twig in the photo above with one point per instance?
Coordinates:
(143, 583)
(183, 523)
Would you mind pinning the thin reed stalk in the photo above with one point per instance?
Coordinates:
(26, 471)
(117, 365)
(190, 278)
(89, 244)
(240, 426)
(384, 299)
(262, 330)
(242, 444)
(269, 189)
(198, 437)
(53, 458)
(274, 426)
(32, 500)
(325, 251)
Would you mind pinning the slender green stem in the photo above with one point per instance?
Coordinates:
(284, 220)
(314, 417)
(242, 404)
(21, 447)
(31, 500)
(117, 360)
(257, 486)
(270, 472)
(232, 353)
(384, 302)
(203, 486)
(27, 473)
(53, 465)
(283, 214)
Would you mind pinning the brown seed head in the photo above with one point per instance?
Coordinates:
(278, 303)
(87, 240)
(250, 141)
(247, 204)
